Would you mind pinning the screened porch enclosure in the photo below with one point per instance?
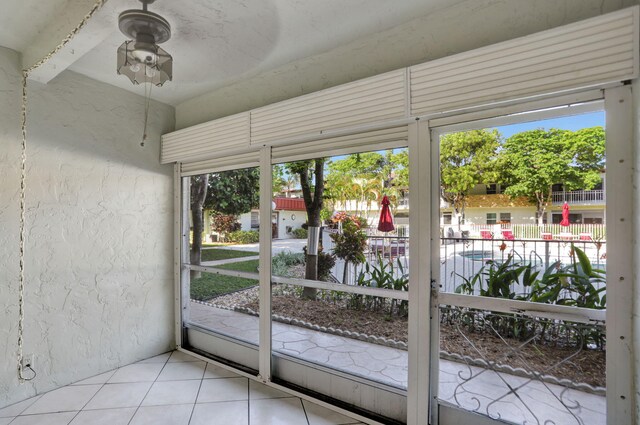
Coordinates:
(496, 313)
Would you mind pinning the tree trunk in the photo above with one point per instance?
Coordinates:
(311, 266)
(313, 206)
(345, 271)
(199, 186)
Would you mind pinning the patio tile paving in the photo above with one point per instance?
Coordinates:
(486, 392)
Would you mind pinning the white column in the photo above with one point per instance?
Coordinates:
(419, 274)
(620, 258)
(266, 193)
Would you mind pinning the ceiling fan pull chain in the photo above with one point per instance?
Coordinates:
(23, 172)
(23, 180)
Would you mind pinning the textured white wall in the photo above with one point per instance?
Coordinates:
(99, 289)
(518, 215)
(636, 246)
(464, 26)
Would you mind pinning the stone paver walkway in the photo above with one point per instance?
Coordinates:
(472, 388)
(376, 362)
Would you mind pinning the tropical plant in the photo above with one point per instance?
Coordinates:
(548, 288)
(499, 278)
(574, 284)
(383, 275)
(581, 279)
(351, 242)
(326, 262)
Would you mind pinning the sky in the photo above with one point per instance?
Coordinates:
(574, 122)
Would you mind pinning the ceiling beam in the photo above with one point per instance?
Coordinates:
(60, 25)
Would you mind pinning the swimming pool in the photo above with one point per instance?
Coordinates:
(478, 255)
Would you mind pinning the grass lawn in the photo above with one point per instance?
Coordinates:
(224, 254)
(211, 285)
(250, 266)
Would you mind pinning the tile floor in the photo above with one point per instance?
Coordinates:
(170, 389)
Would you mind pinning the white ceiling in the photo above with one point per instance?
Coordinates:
(215, 42)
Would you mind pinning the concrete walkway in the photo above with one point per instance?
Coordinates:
(229, 261)
(472, 388)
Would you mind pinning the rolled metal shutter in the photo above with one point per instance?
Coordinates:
(377, 99)
(222, 163)
(373, 140)
(588, 53)
(206, 140)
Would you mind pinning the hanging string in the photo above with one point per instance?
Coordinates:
(147, 103)
(23, 181)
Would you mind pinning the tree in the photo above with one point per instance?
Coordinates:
(364, 177)
(234, 192)
(467, 158)
(290, 182)
(311, 176)
(198, 194)
(278, 179)
(231, 192)
(533, 161)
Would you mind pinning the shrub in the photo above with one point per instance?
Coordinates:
(224, 224)
(244, 236)
(351, 242)
(300, 233)
(282, 262)
(326, 262)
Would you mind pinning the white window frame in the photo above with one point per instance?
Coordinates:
(617, 104)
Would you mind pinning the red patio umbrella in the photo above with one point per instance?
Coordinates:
(565, 215)
(385, 224)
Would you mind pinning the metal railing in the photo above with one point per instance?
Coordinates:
(462, 259)
(585, 197)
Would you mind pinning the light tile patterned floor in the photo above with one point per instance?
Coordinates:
(170, 389)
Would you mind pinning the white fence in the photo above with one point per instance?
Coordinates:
(597, 232)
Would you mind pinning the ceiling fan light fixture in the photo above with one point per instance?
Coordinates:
(157, 70)
(141, 59)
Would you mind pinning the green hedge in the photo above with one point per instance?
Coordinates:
(299, 233)
(244, 236)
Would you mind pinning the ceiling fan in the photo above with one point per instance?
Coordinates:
(140, 58)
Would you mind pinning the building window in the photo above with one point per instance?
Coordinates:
(592, 220)
(505, 218)
(491, 218)
(255, 219)
(446, 218)
(558, 187)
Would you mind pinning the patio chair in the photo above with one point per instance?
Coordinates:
(508, 235)
(485, 234)
(565, 236)
(585, 237)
